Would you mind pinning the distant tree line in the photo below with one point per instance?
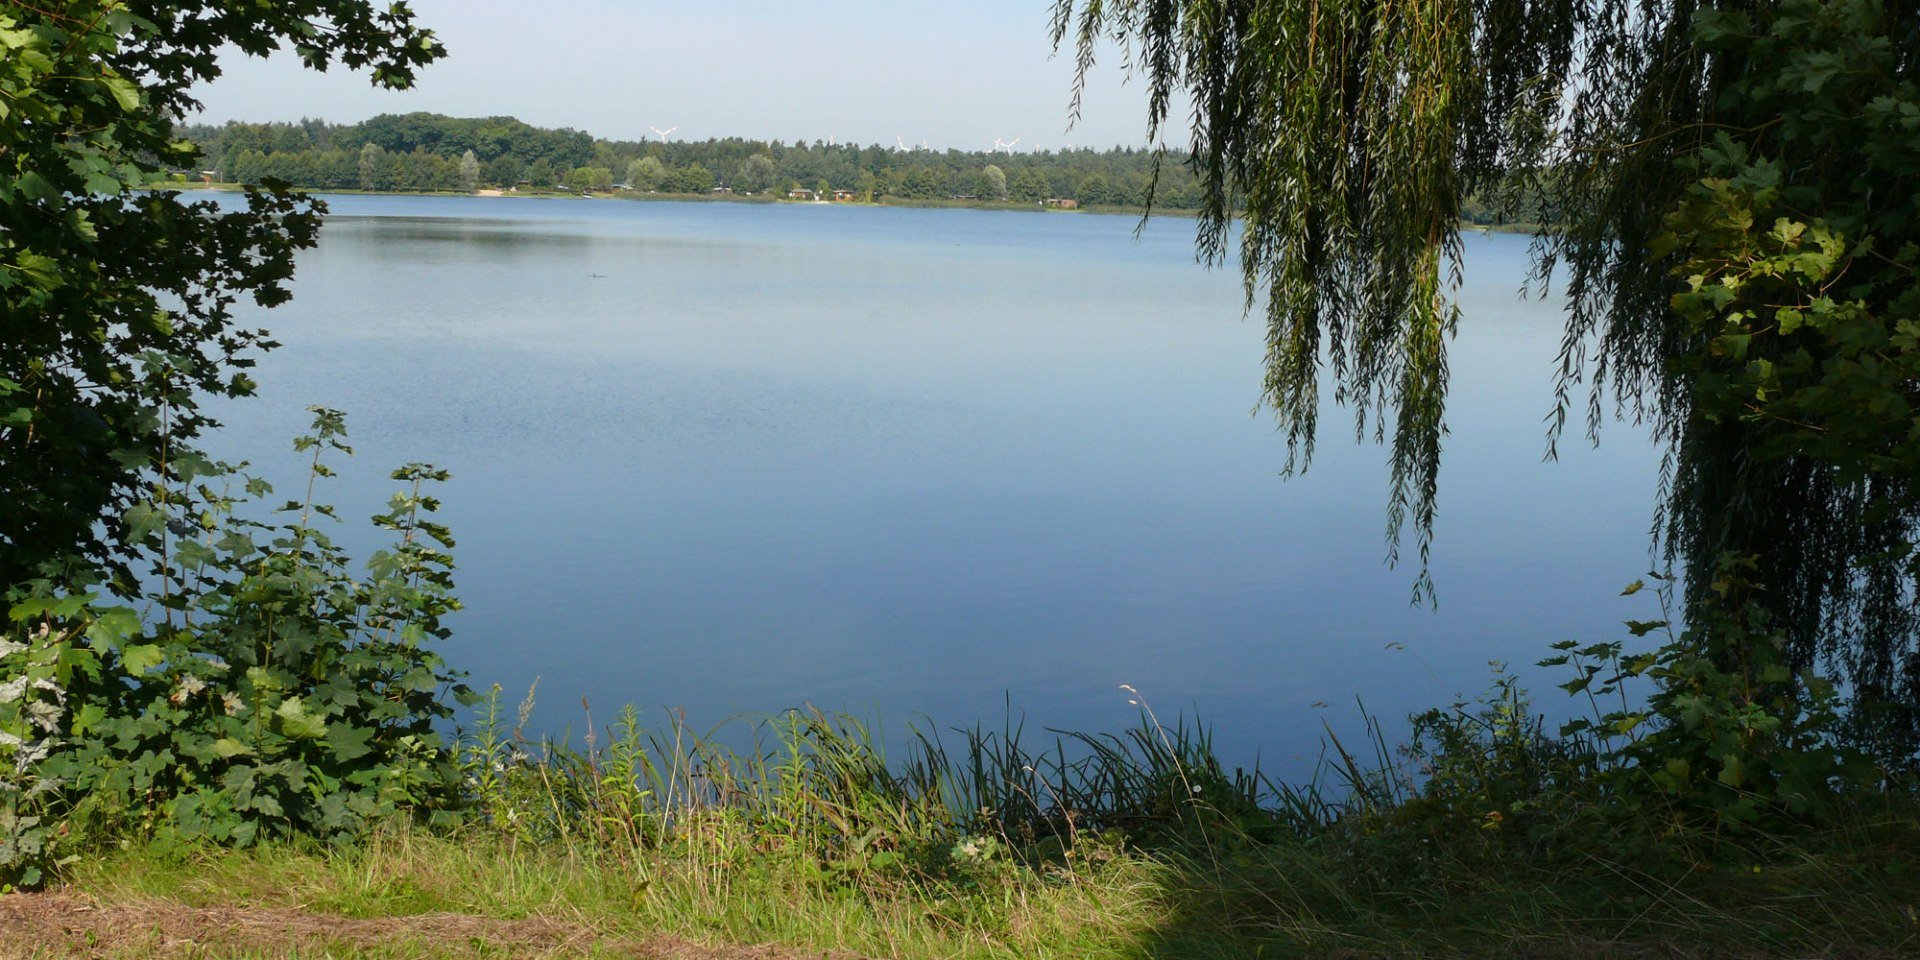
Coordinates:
(425, 152)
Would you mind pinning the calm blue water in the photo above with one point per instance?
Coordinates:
(736, 458)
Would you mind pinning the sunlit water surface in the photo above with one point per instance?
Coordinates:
(924, 464)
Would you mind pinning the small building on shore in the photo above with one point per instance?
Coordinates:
(843, 195)
(1063, 203)
(802, 194)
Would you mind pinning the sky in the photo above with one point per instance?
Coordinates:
(952, 74)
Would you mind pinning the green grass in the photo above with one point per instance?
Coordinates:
(1289, 899)
(815, 839)
(750, 901)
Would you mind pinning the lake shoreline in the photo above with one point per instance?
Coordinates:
(901, 203)
(896, 203)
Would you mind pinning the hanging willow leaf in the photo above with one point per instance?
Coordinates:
(1758, 160)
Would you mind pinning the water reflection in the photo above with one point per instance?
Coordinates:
(736, 457)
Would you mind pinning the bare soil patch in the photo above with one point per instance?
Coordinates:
(50, 925)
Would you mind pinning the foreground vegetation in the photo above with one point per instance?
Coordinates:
(1276, 903)
(267, 750)
(285, 709)
(662, 843)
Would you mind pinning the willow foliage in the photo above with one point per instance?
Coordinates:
(1730, 195)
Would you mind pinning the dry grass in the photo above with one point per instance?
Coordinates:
(49, 925)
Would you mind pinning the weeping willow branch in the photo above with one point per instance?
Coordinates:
(1339, 139)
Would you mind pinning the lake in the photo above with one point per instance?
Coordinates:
(924, 463)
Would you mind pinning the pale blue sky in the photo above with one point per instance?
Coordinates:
(952, 74)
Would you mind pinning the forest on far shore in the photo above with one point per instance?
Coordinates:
(428, 152)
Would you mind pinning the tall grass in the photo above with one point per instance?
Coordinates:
(1484, 823)
(1478, 838)
(824, 786)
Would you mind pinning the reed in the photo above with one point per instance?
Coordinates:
(823, 785)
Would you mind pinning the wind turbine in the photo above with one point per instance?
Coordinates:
(662, 134)
(900, 146)
(1006, 145)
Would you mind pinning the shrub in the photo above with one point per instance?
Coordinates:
(267, 691)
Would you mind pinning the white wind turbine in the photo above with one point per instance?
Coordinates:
(662, 134)
(1005, 146)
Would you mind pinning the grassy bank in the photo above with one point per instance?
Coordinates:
(312, 804)
(815, 842)
(1291, 899)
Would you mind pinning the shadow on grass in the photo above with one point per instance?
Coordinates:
(1851, 892)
